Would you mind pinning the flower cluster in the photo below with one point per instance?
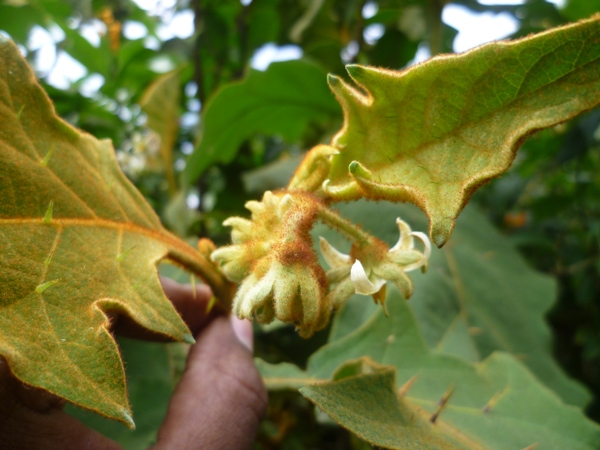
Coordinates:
(273, 258)
(272, 254)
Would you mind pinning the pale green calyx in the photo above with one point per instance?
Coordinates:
(368, 277)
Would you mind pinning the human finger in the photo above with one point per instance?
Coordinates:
(220, 399)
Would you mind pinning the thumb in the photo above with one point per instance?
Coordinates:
(220, 399)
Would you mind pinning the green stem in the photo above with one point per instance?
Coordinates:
(348, 228)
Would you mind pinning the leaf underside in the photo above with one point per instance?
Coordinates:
(493, 404)
(76, 240)
(432, 134)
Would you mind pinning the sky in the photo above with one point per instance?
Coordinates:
(61, 70)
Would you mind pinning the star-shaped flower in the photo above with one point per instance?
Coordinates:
(368, 277)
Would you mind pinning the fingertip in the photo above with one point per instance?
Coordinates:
(243, 331)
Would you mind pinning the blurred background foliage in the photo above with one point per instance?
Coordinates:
(202, 123)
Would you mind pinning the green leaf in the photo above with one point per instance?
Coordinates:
(478, 296)
(391, 422)
(431, 135)
(150, 385)
(160, 102)
(494, 404)
(580, 9)
(282, 101)
(77, 240)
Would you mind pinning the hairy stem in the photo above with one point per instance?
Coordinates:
(346, 227)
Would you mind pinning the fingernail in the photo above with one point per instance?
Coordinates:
(243, 331)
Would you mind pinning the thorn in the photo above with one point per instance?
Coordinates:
(442, 404)
(49, 258)
(193, 283)
(42, 287)
(210, 304)
(126, 416)
(48, 216)
(188, 338)
(122, 256)
(406, 386)
(44, 162)
(489, 405)
(20, 112)
(532, 446)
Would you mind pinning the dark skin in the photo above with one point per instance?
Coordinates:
(218, 403)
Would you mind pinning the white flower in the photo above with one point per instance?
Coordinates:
(368, 277)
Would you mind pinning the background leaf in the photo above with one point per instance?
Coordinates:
(160, 102)
(497, 403)
(478, 295)
(283, 100)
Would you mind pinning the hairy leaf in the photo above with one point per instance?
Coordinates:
(478, 295)
(431, 135)
(391, 422)
(150, 385)
(283, 100)
(493, 404)
(76, 240)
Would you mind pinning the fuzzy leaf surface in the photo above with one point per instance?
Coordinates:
(392, 422)
(283, 101)
(496, 404)
(432, 134)
(478, 296)
(76, 240)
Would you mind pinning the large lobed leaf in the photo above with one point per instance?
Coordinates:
(493, 404)
(282, 101)
(478, 296)
(432, 134)
(76, 240)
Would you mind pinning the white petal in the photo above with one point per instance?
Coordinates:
(362, 284)
(333, 257)
(426, 251)
(405, 241)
